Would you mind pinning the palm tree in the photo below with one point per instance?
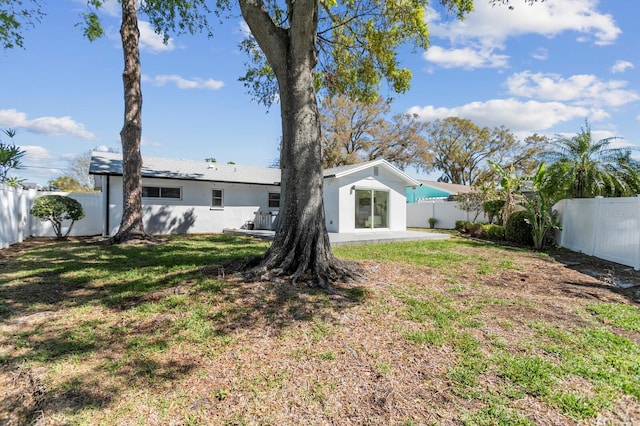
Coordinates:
(583, 168)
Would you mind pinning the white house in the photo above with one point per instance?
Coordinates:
(181, 196)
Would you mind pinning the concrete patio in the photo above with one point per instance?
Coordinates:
(360, 237)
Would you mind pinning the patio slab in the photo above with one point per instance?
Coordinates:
(360, 237)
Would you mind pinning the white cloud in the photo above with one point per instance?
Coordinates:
(36, 154)
(621, 66)
(152, 41)
(548, 18)
(53, 126)
(467, 57)
(582, 89)
(517, 116)
(540, 54)
(183, 83)
(476, 40)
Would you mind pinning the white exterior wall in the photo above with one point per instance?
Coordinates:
(331, 196)
(193, 214)
(339, 199)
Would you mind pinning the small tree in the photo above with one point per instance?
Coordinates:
(539, 206)
(471, 202)
(56, 209)
(493, 209)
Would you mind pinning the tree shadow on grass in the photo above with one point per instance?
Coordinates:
(147, 300)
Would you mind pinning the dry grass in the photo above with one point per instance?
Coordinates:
(445, 333)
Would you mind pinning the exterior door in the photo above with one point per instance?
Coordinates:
(372, 209)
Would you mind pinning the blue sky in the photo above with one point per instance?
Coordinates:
(534, 69)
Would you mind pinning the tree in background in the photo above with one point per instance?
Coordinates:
(66, 183)
(79, 170)
(15, 16)
(583, 168)
(354, 131)
(461, 150)
(10, 158)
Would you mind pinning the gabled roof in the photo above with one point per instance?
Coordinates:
(353, 168)
(105, 163)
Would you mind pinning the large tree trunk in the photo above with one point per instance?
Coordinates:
(301, 248)
(131, 226)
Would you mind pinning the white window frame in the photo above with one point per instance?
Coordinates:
(221, 206)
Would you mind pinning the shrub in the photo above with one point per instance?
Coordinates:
(493, 209)
(56, 209)
(474, 229)
(463, 226)
(432, 222)
(493, 232)
(518, 230)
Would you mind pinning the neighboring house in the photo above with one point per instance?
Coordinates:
(430, 190)
(181, 197)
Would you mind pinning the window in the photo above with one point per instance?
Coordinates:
(162, 192)
(274, 200)
(217, 198)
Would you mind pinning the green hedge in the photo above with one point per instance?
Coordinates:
(517, 230)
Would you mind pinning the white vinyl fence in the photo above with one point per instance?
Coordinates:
(16, 223)
(608, 228)
(446, 214)
(15, 204)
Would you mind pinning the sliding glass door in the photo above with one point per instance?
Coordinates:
(372, 209)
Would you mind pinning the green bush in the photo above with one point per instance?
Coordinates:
(464, 226)
(493, 209)
(517, 230)
(474, 229)
(56, 209)
(493, 232)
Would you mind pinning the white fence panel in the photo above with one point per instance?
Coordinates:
(608, 228)
(14, 214)
(446, 214)
(91, 224)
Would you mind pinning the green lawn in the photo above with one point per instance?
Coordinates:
(438, 332)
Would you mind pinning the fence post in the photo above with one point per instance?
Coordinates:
(564, 209)
(637, 216)
(596, 222)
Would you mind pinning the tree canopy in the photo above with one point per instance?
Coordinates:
(15, 17)
(461, 150)
(581, 167)
(355, 131)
